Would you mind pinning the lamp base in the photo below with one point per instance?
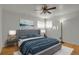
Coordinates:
(62, 42)
(45, 35)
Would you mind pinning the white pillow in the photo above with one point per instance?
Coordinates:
(22, 40)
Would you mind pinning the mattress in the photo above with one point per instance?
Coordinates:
(37, 45)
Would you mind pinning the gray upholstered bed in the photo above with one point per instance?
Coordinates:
(30, 42)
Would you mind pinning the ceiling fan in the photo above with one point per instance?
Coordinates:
(45, 9)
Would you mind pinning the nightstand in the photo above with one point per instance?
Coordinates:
(11, 38)
(11, 42)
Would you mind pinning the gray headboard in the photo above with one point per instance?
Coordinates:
(20, 33)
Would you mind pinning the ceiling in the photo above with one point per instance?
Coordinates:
(62, 9)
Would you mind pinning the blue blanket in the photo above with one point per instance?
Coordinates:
(37, 45)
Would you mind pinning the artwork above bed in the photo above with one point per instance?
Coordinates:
(26, 24)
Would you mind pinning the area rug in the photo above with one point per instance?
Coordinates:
(64, 51)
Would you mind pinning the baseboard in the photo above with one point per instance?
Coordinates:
(71, 43)
(0, 49)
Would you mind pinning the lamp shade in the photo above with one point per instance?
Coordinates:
(62, 20)
(43, 31)
(12, 32)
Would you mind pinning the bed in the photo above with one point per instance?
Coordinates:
(32, 43)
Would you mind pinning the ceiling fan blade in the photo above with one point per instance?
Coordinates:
(49, 12)
(45, 11)
(42, 12)
(51, 8)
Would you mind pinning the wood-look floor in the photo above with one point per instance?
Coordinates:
(75, 47)
(11, 49)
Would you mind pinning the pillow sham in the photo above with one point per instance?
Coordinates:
(23, 37)
(29, 35)
(33, 35)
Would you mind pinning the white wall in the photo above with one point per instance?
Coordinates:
(71, 29)
(11, 22)
(0, 29)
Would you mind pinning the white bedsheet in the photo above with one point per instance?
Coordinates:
(22, 40)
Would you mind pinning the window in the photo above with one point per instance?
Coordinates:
(42, 24)
(49, 24)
